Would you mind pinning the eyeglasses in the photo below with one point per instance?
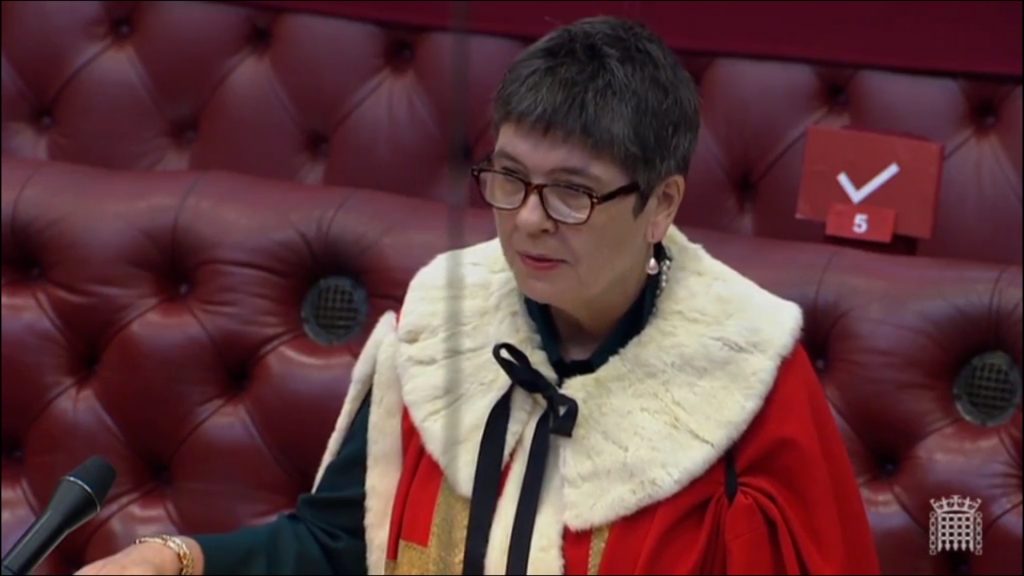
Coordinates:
(562, 202)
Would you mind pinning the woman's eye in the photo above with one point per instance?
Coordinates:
(575, 186)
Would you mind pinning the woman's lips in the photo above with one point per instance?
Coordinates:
(539, 262)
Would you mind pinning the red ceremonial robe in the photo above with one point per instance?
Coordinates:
(640, 487)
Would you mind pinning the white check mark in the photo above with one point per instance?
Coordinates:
(858, 195)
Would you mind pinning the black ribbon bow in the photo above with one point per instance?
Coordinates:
(559, 418)
(561, 410)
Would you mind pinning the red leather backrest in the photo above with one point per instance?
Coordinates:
(325, 100)
(163, 330)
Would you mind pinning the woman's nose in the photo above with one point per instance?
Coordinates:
(532, 216)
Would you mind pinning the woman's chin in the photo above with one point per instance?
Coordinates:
(540, 291)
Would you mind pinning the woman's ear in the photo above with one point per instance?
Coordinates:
(665, 204)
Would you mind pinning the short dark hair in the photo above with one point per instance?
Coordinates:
(616, 86)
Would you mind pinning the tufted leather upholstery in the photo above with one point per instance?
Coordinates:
(322, 100)
(151, 312)
(162, 330)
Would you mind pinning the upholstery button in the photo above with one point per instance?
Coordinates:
(820, 364)
(45, 120)
(401, 54)
(187, 134)
(161, 474)
(888, 468)
(239, 380)
(92, 364)
(260, 37)
(747, 190)
(319, 145)
(986, 115)
(837, 95)
(35, 272)
(122, 28)
(15, 453)
(184, 288)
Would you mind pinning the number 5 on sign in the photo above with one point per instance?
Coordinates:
(861, 222)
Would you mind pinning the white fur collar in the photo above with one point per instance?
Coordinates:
(656, 416)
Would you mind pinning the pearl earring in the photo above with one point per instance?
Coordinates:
(652, 266)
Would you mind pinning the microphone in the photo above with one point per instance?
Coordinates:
(77, 498)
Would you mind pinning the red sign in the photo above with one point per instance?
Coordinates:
(870, 186)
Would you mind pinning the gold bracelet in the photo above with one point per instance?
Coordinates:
(185, 558)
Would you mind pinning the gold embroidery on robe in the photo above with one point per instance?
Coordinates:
(598, 539)
(446, 546)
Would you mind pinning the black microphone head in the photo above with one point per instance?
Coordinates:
(78, 498)
(97, 475)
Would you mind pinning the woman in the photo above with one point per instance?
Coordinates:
(609, 398)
